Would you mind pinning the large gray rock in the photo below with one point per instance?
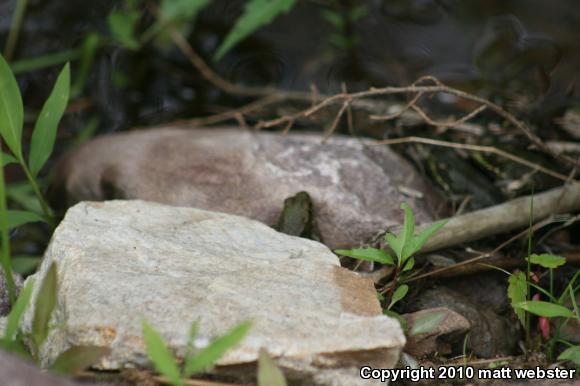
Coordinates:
(356, 188)
(120, 262)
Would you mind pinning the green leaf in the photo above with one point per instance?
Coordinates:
(399, 294)
(191, 341)
(571, 354)
(181, 10)
(396, 244)
(209, 355)
(517, 291)
(409, 264)
(45, 303)
(11, 109)
(78, 358)
(7, 159)
(408, 231)
(402, 321)
(44, 134)
(547, 260)
(418, 241)
(160, 356)
(427, 323)
(257, 13)
(13, 320)
(122, 26)
(17, 218)
(268, 373)
(545, 309)
(368, 254)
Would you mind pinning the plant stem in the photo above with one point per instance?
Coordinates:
(5, 237)
(37, 192)
(529, 268)
(15, 28)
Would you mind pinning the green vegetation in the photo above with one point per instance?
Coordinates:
(196, 360)
(405, 246)
(71, 361)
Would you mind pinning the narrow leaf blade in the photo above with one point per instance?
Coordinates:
(399, 294)
(159, 354)
(45, 303)
(44, 134)
(396, 244)
(418, 241)
(268, 373)
(13, 321)
(7, 159)
(17, 218)
(545, 309)
(257, 13)
(368, 254)
(11, 109)
(209, 355)
(78, 358)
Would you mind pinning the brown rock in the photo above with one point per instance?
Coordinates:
(356, 189)
(442, 330)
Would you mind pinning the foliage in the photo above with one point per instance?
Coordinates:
(268, 373)
(554, 309)
(71, 361)
(404, 245)
(257, 13)
(196, 361)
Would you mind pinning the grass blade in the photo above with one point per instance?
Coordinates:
(368, 254)
(45, 303)
(17, 311)
(159, 354)
(268, 373)
(17, 218)
(44, 133)
(209, 355)
(11, 109)
(257, 13)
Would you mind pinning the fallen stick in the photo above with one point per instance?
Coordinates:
(505, 217)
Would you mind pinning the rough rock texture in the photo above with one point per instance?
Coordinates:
(16, 372)
(356, 189)
(120, 262)
(443, 337)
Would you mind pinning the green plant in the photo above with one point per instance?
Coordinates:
(41, 146)
(44, 133)
(554, 309)
(405, 246)
(268, 373)
(74, 359)
(196, 360)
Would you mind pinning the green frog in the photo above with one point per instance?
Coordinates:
(297, 217)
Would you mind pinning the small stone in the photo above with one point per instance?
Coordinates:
(446, 331)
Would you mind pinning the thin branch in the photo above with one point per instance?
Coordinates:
(478, 148)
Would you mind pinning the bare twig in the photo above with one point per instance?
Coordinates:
(484, 149)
